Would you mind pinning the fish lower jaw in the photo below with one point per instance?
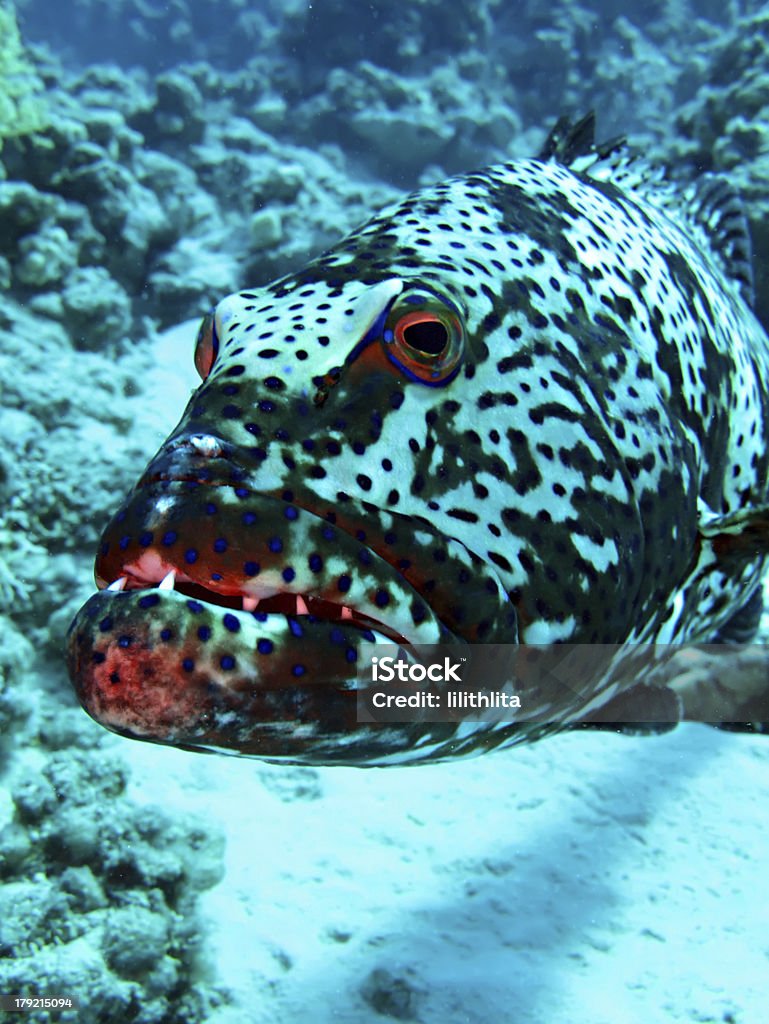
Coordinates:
(272, 602)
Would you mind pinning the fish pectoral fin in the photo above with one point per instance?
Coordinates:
(716, 684)
(743, 625)
(725, 686)
(736, 536)
(639, 711)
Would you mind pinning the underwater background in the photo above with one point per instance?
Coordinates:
(156, 157)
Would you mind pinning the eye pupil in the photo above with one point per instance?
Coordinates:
(428, 336)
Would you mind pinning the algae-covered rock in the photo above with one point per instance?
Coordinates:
(187, 208)
(96, 309)
(457, 113)
(15, 848)
(22, 106)
(177, 114)
(30, 912)
(43, 238)
(77, 781)
(122, 209)
(108, 129)
(22, 210)
(46, 257)
(34, 798)
(83, 889)
(38, 157)
(266, 228)
(134, 940)
(189, 279)
(16, 656)
(393, 994)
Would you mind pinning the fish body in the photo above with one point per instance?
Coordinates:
(522, 406)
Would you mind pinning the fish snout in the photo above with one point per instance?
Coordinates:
(196, 457)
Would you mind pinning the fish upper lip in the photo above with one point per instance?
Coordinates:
(198, 457)
(157, 505)
(189, 585)
(200, 477)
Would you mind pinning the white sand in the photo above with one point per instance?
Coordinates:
(588, 879)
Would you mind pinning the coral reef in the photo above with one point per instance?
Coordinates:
(102, 240)
(133, 179)
(98, 895)
(15, 704)
(403, 122)
(723, 128)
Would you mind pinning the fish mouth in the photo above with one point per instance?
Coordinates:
(195, 652)
(156, 664)
(283, 603)
(233, 620)
(280, 683)
(269, 572)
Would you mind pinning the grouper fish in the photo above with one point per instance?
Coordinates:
(524, 406)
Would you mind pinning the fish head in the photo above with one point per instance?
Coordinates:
(307, 506)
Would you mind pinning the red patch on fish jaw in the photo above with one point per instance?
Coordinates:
(131, 689)
(199, 677)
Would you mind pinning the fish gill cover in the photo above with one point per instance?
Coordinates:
(194, 150)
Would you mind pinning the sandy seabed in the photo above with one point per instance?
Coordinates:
(589, 879)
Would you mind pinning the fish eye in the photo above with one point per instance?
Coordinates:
(206, 345)
(424, 335)
(424, 332)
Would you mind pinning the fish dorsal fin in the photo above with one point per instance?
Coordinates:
(714, 206)
(709, 207)
(568, 140)
(573, 143)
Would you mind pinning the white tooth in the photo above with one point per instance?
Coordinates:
(118, 584)
(301, 606)
(167, 583)
(346, 612)
(250, 603)
(206, 445)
